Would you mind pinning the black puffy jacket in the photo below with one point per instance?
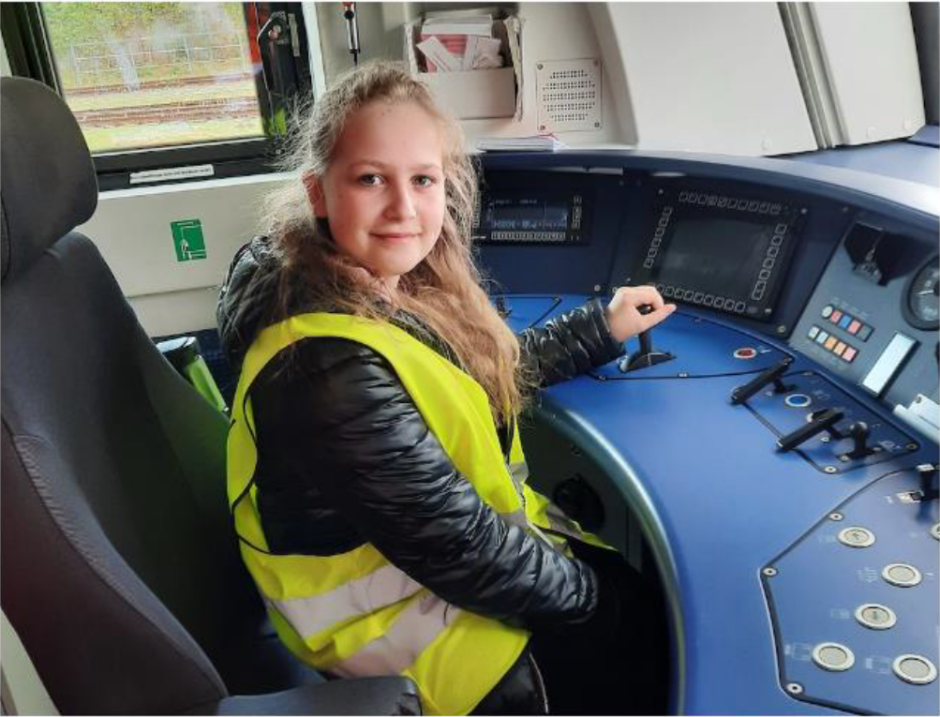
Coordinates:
(344, 457)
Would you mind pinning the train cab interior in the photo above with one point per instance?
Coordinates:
(767, 457)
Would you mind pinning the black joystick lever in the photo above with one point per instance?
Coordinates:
(929, 480)
(818, 421)
(772, 375)
(647, 355)
(859, 432)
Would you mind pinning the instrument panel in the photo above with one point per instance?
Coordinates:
(757, 513)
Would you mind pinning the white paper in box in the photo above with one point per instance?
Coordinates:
(476, 94)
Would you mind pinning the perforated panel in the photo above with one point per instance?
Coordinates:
(568, 94)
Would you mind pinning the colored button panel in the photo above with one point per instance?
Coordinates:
(812, 333)
(835, 316)
(840, 347)
(854, 326)
(864, 332)
(830, 343)
(845, 321)
(849, 354)
(826, 312)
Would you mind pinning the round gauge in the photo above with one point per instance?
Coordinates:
(922, 298)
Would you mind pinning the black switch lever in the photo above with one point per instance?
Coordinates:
(859, 433)
(819, 421)
(647, 355)
(928, 481)
(772, 375)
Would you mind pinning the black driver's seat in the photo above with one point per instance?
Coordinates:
(120, 569)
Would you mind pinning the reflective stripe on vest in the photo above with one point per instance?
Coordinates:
(356, 614)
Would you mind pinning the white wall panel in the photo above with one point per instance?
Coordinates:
(132, 230)
(870, 58)
(715, 77)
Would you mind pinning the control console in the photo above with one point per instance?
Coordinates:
(863, 638)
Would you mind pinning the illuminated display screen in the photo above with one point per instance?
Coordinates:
(529, 215)
(715, 255)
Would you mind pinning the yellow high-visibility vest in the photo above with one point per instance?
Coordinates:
(356, 614)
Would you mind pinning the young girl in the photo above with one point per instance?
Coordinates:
(375, 469)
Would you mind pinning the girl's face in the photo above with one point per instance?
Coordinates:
(383, 193)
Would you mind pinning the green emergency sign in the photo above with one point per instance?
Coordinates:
(188, 240)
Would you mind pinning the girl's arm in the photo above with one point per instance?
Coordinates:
(570, 344)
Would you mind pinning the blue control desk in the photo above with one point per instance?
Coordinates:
(800, 581)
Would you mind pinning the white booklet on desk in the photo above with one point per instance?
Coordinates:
(539, 143)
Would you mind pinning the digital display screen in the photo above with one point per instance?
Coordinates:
(714, 255)
(529, 215)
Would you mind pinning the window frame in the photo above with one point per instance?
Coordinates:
(30, 55)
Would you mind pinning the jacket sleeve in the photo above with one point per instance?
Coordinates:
(358, 438)
(570, 344)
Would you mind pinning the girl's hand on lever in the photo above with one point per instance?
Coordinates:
(624, 315)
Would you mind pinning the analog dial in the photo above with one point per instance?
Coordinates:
(923, 296)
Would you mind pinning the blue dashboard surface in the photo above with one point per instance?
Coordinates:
(909, 161)
(718, 503)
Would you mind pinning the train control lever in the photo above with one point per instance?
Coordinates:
(772, 375)
(929, 480)
(818, 421)
(646, 355)
(859, 433)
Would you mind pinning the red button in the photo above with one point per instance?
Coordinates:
(854, 326)
(745, 353)
(849, 354)
(835, 316)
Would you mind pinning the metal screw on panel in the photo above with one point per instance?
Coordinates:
(541, 127)
(836, 516)
(912, 446)
(597, 287)
(807, 373)
(769, 572)
(597, 125)
(803, 210)
(795, 688)
(781, 329)
(769, 394)
(575, 451)
(683, 375)
(660, 192)
(824, 439)
(539, 66)
(830, 469)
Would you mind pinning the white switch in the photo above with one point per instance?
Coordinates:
(888, 363)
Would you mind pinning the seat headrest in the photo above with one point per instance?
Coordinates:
(49, 184)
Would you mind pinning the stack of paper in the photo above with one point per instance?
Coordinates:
(539, 143)
(451, 44)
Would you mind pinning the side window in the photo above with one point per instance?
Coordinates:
(145, 75)
(167, 91)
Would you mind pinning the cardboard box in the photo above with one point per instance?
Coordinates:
(475, 94)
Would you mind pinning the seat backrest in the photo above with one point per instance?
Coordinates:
(120, 570)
